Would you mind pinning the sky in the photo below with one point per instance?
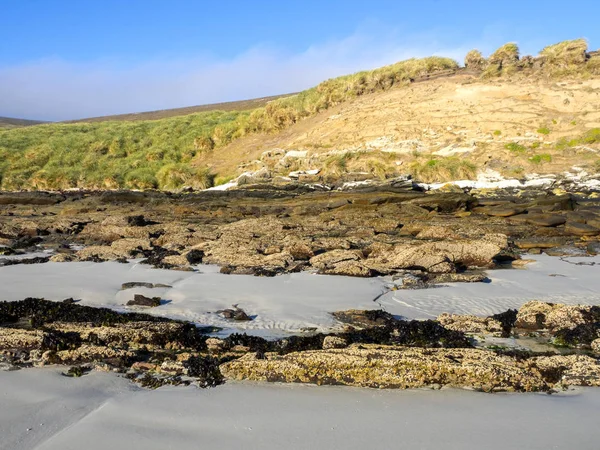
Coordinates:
(72, 59)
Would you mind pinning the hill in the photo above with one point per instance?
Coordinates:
(242, 105)
(428, 117)
(8, 122)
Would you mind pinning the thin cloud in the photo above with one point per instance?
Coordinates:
(54, 89)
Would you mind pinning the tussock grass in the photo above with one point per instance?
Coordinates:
(506, 55)
(566, 53)
(475, 60)
(443, 169)
(108, 155)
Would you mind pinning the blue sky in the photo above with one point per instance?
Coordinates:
(70, 59)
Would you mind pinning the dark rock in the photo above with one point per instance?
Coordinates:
(40, 311)
(446, 203)
(364, 318)
(26, 242)
(507, 319)
(135, 284)
(112, 197)
(139, 221)
(205, 370)
(582, 335)
(142, 300)
(30, 198)
(14, 262)
(555, 203)
(155, 256)
(194, 257)
(235, 313)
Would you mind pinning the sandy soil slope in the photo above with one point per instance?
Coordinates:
(456, 116)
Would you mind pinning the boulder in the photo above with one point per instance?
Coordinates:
(142, 300)
(235, 313)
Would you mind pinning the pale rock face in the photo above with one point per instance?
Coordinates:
(540, 315)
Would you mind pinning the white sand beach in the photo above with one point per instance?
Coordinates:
(43, 410)
(290, 302)
(40, 409)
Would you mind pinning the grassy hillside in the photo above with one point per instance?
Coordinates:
(156, 154)
(173, 152)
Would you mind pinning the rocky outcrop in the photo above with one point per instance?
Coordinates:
(390, 367)
(441, 256)
(537, 315)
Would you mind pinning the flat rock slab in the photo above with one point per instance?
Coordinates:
(500, 211)
(567, 250)
(546, 220)
(581, 229)
(526, 244)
